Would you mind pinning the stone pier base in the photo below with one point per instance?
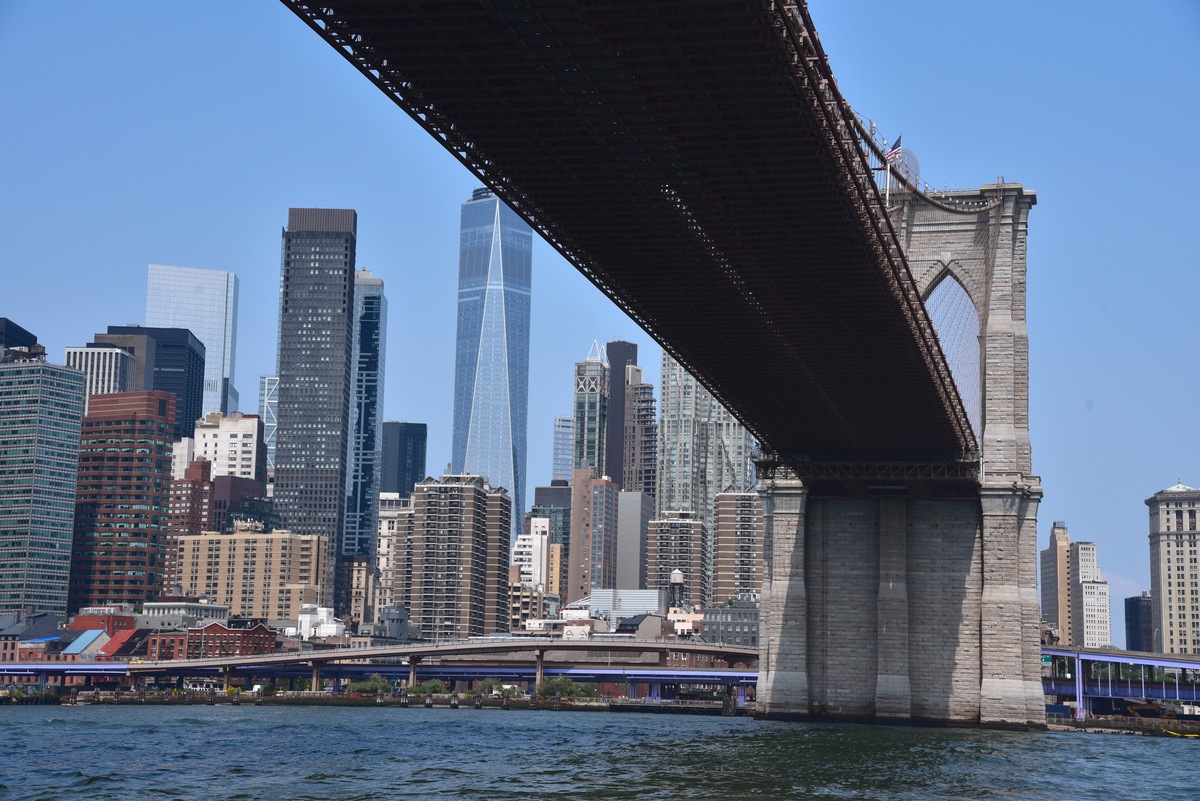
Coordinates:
(901, 609)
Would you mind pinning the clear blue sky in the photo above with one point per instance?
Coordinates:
(180, 133)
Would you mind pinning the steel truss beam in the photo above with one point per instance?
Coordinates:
(696, 162)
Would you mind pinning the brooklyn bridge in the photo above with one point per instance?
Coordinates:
(697, 162)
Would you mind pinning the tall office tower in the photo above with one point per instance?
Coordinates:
(122, 508)
(554, 504)
(106, 369)
(620, 355)
(678, 541)
(640, 468)
(1091, 612)
(491, 364)
(268, 410)
(634, 512)
(167, 360)
(702, 448)
(1173, 571)
(459, 557)
(738, 531)
(1139, 623)
(403, 456)
(206, 303)
(315, 333)
(234, 443)
(392, 551)
(1056, 582)
(263, 574)
(366, 403)
(593, 548)
(564, 447)
(41, 406)
(591, 412)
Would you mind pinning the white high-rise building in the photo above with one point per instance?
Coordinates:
(1091, 612)
(1174, 570)
(106, 369)
(206, 303)
(531, 552)
(702, 448)
(233, 443)
(392, 551)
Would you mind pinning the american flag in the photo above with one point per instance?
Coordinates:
(894, 152)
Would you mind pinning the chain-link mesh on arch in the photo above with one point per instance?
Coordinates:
(957, 325)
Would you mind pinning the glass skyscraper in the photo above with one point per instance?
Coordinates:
(403, 456)
(315, 346)
(564, 447)
(41, 406)
(206, 303)
(268, 410)
(362, 467)
(702, 448)
(491, 368)
(591, 412)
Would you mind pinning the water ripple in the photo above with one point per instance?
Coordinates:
(365, 754)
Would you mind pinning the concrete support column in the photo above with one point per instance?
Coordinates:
(893, 690)
(1080, 700)
(412, 670)
(1002, 693)
(783, 653)
(225, 675)
(540, 655)
(316, 677)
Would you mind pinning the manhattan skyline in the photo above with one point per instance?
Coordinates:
(187, 118)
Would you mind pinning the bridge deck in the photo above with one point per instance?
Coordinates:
(693, 161)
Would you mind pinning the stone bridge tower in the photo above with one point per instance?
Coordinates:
(919, 605)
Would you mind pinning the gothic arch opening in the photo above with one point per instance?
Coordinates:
(956, 322)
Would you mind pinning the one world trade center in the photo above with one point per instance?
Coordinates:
(491, 366)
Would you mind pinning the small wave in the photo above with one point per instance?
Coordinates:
(91, 781)
(320, 777)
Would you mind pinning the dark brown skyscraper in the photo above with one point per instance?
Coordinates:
(620, 354)
(458, 561)
(122, 505)
(315, 313)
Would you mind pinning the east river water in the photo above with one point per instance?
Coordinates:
(300, 753)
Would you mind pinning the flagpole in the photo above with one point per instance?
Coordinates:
(887, 192)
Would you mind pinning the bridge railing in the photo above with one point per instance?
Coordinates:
(843, 128)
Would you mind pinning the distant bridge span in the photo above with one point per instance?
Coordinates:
(697, 163)
(494, 645)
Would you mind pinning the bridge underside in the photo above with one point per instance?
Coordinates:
(695, 162)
